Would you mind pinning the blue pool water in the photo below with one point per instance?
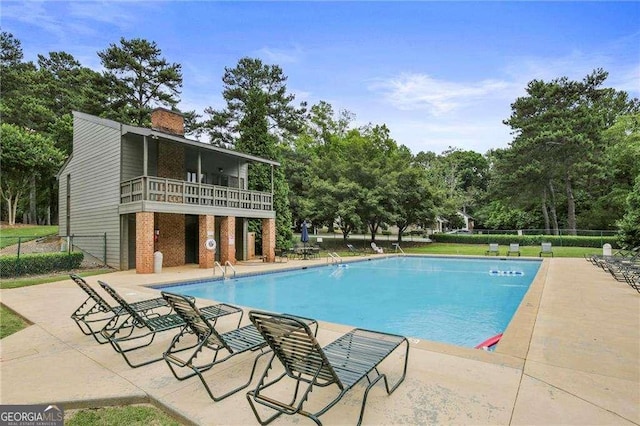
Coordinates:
(451, 300)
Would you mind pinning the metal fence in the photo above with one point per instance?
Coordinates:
(424, 238)
(94, 247)
(561, 232)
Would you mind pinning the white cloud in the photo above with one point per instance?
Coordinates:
(430, 114)
(116, 14)
(410, 91)
(34, 13)
(280, 56)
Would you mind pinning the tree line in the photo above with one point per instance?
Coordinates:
(573, 163)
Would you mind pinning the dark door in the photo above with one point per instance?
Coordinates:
(191, 239)
(131, 222)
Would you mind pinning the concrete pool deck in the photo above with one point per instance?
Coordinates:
(570, 356)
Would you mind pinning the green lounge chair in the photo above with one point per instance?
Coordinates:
(545, 248)
(514, 248)
(622, 254)
(95, 312)
(493, 249)
(134, 331)
(343, 363)
(208, 341)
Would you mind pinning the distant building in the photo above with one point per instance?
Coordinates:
(468, 221)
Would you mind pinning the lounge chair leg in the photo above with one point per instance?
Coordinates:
(366, 393)
(255, 412)
(239, 388)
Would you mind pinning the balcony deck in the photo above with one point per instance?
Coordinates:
(149, 193)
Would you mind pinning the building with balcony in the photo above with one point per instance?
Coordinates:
(154, 190)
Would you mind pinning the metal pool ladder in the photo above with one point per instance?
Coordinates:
(216, 264)
(334, 257)
(227, 263)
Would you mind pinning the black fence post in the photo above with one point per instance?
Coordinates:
(105, 249)
(18, 258)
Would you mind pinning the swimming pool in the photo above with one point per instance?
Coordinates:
(451, 300)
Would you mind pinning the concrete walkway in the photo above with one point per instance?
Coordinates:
(570, 356)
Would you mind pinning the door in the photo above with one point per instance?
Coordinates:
(131, 240)
(191, 239)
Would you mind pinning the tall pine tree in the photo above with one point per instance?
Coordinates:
(258, 115)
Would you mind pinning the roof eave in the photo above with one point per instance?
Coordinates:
(143, 131)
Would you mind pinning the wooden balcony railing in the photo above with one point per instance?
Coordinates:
(163, 190)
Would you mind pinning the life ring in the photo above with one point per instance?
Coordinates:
(210, 244)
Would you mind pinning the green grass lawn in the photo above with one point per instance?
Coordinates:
(9, 236)
(131, 415)
(480, 250)
(10, 322)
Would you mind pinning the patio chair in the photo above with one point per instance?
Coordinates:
(545, 248)
(514, 248)
(95, 312)
(375, 248)
(125, 334)
(343, 363)
(208, 341)
(493, 249)
(632, 276)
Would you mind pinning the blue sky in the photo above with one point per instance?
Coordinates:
(438, 74)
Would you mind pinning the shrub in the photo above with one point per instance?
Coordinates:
(32, 264)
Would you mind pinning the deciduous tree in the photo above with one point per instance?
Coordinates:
(24, 154)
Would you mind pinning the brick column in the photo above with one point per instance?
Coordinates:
(269, 239)
(206, 229)
(227, 243)
(144, 242)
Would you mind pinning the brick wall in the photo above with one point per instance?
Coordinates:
(171, 161)
(167, 121)
(206, 225)
(171, 238)
(269, 239)
(227, 243)
(144, 242)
